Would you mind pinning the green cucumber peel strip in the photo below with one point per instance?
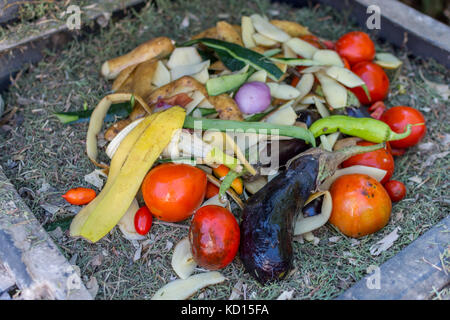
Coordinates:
(246, 56)
(118, 110)
(297, 62)
(272, 52)
(228, 61)
(225, 83)
(258, 127)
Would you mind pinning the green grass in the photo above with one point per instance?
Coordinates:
(36, 148)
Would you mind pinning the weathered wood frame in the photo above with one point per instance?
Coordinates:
(411, 274)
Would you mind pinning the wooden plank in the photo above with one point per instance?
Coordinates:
(401, 25)
(16, 52)
(29, 257)
(413, 274)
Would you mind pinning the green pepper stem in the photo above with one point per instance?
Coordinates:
(339, 156)
(398, 136)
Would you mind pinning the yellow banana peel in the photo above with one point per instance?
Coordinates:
(131, 162)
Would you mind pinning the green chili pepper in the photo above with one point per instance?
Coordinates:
(369, 129)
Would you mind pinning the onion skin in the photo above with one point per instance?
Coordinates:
(253, 97)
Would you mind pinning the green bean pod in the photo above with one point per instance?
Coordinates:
(369, 129)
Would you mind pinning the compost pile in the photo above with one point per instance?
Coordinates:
(254, 133)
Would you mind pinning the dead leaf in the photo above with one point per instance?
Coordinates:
(399, 216)
(50, 208)
(92, 286)
(286, 295)
(236, 292)
(57, 233)
(431, 159)
(137, 254)
(442, 89)
(169, 245)
(426, 146)
(415, 179)
(97, 260)
(94, 178)
(384, 243)
(185, 23)
(334, 239)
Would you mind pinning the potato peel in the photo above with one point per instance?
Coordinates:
(182, 289)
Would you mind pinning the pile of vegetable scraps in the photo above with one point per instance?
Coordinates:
(254, 133)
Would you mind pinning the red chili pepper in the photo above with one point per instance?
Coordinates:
(79, 196)
(377, 109)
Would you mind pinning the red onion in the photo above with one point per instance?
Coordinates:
(253, 97)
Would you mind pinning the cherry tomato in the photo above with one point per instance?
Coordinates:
(214, 236)
(79, 196)
(398, 118)
(172, 192)
(356, 46)
(361, 205)
(376, 80)
(211, 190)
(395, 189)
(381, 159)
(143, 220)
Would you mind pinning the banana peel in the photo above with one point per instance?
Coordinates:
(126, 174)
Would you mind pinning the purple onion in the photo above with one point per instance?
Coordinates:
(253, 97)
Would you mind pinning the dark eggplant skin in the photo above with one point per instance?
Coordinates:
(308, 117)
(268, 217)
(285, 150)
(313, 208)
(361, 112)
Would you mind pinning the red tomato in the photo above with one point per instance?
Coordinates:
(143, 220)
(395, 189)
(398, 118)
(211, 190)
(173, 192)
(381, 159)
(355, 46)
(376, 80)
(214, 236)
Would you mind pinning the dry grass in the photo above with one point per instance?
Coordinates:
(37, 149)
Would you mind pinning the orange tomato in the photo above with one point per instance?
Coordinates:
(356, 46)
(361, 205)
(172, 192)
(79, 196)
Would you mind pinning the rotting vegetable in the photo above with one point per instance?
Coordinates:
(214, 237)
(268, 217)
(361, 205)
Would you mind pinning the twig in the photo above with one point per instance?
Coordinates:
(171, 224)
(433, 265)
